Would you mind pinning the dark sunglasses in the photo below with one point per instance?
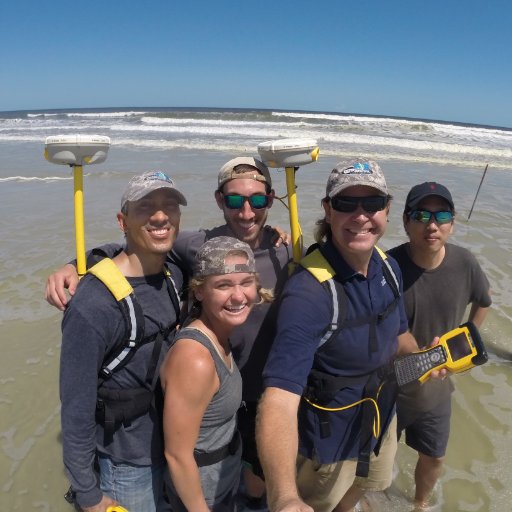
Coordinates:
(425, 216)
(369, 204)
(236, 201)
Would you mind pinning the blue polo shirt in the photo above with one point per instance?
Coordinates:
(305, 312)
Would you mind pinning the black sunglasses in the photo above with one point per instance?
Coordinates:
(236, 201)
(349, 204)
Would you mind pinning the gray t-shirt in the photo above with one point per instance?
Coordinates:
(435, 302)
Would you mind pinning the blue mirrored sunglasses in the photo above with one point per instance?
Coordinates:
(236, 201)
(425, 216)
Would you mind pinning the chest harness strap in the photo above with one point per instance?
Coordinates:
(323, 387)
(117, 406)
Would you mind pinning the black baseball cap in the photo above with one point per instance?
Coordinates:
(423, 190)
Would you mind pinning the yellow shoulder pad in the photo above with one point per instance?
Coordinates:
(317, 265)
(110, 275)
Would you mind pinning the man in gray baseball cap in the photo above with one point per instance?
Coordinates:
(143, 184)
(121, 318)
(358, 172)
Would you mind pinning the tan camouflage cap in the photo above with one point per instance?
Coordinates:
(211, 257)
(141, 185)
(229, 171)
(357, 172)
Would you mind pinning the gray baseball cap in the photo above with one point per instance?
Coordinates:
(229, 172)
(141, 185)
(357, 172)
(211, 257)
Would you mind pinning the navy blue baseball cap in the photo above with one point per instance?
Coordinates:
(427, 189)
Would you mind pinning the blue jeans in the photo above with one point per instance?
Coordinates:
(136, 488)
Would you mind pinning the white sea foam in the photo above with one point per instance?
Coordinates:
(104, 114)
(337, 134)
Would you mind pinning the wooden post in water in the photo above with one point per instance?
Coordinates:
(481, 181)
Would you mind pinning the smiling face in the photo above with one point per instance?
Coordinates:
(226, 300)
(246, 223)
(429, 238)
(151, 224)
(355, 234)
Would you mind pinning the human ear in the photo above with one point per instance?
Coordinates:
(327, 209)
(219, 200)
(121, 220)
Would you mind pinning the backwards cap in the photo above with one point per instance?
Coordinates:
(141, 185)
(229, 171)
(358, 172)
(211, 257)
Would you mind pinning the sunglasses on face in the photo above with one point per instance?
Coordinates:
(369, 204)
(425, 216)
(236, 201)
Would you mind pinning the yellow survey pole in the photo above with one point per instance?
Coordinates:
(293, 212)
(78, 180)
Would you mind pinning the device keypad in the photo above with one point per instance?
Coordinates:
(412, 366)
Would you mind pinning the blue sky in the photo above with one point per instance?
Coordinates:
(437, 59)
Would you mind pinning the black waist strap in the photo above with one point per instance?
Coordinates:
(209, 458)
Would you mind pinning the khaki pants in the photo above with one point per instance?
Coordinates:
(322, 486)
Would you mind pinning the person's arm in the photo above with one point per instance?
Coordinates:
(304, 311)
(66, 277)
(102, 506)
(277, 441)
(406, 343)
(83, 346)
(279, 236)
(477, 314)
(189, 381)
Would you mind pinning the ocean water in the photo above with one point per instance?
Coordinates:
(37, 236)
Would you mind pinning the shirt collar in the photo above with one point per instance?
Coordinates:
(343, 270)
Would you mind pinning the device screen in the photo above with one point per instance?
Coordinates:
(458, 346)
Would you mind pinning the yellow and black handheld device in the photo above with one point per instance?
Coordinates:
(458, 350)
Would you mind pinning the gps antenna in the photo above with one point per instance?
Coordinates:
(290, 154)
(77, 151)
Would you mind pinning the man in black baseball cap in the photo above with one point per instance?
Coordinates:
(440, 280)
(427, 189)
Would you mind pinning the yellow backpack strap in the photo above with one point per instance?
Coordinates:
(316, 264)
(383, 255)
(110, 275)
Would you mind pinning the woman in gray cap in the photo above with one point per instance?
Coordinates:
(202, 384)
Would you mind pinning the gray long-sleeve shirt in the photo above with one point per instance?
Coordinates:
(92, 325)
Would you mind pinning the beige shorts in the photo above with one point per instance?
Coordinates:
(322, 486)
